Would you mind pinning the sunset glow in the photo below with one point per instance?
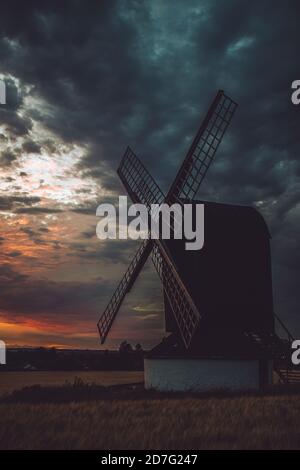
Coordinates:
(143, 76)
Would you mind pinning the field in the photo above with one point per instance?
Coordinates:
(140, 420)
(10, 381)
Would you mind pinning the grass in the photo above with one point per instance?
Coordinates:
(230, 423)
(83, 416)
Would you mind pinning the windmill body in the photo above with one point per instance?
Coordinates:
(231, 283)
(230, 277)
(219, 314)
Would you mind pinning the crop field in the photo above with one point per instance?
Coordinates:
(111, 416)
(10, 381)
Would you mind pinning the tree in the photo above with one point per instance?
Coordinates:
(125, 347)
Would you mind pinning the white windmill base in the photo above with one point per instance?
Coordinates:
(174, 374)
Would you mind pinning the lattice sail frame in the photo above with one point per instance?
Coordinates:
(137, 180)
(106, 320)
(142, 188)
(203, 148)
(185, 311)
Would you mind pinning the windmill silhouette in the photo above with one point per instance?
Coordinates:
(218, 301)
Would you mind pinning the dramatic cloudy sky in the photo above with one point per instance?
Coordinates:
(84, 79)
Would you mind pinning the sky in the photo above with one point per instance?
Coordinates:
(86, 79)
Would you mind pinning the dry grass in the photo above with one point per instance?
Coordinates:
(80, 416)
(10, 381)
(230, 423)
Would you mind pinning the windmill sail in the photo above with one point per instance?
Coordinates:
(138, 182)
(133, 270)
(142, 188)
(203, 149)
(185, 311)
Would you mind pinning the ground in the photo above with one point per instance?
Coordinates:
(10, 381)
(139, 420)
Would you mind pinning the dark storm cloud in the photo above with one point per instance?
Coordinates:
(21, 295)
(128, 80)
(89, 234)
(14, 95)
(7, 157)
(18, 125)
(107, 250)
(31, 147)
(84, 89)
(9, 276)
(143, 73)
(91, 207)
(10, 203)
(86, 210)
(35, 236)
(37, 210)
(14, 254)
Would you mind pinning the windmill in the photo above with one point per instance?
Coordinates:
(215, 340)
